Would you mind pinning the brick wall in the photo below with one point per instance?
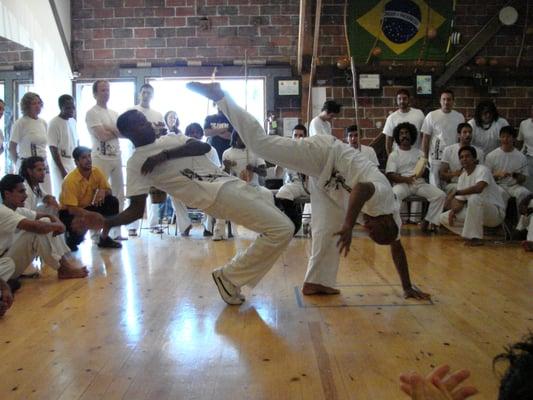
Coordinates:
(109, 33)
(113, 32)
(14, 54)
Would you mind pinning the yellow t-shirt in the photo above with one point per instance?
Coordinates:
(77, 191)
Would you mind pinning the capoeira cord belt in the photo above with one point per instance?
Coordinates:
(336, 181)
(189, 173)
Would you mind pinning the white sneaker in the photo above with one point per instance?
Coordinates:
(230, 293)
(219, 231)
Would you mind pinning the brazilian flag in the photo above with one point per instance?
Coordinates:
(399, 28)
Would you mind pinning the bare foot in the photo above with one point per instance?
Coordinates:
(210, 90)
(310, 289)
(69, 270)
(474, 242)
(527, 245)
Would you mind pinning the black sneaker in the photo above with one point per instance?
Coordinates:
(14, 285)
(207, 233)
(108, 243)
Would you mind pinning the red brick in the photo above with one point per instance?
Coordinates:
(135, 43)
(164, 12)
(144, 32)
(103, 13)
(102, 33)
(94, 44)
(184, 11)
(134, 3)
(175, 21)
(103, 54)
(144, 53)
(124, 12)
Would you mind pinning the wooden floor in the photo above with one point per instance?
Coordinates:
(149, 323)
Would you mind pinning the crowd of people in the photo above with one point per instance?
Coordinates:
(467, 171)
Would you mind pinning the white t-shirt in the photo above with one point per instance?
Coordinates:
(9, 220)
(413, 116)
(213, 156)
(62, 134)
(175, 177)
(403, 162)
(98, 116)
(33, 198)
(369, 153)
(450, 155)
(512, 162)
(490, 194)
(319, 127)
(151, 115)
(525, 134)
(487, 139)
(443, 130)
(243, 157)
(30, 136)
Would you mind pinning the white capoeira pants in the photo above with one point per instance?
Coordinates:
(112, 169)
(433, 194)
(57, 178)
(182, 215)
(476, 214)
(30, 245)
(308, 158)
(519, 192)
(238, 202)
(526, 222)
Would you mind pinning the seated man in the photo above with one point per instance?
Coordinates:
(450, 168)
(85, 193)
(525, 223)
(476, 203)
(352, 138)
(33, 170)
(294, 187)
(401, 167)
(192, 178)
(27, 234)
(338, 170)
(509, 166)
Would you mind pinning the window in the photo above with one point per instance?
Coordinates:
(171, 94)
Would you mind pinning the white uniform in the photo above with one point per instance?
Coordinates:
(319, 156)
(525, 134)
(199, 183)
(442, 127)
(488, 139)
(18, 248)
(30, 136)
(484, 209)
(450, 156)
(403, 162)
(413, 116)
(62, 134)
(2, 149)
(369, 153)
(318, 126)
(293, 187)
(512, 162)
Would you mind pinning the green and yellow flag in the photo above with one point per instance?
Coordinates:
(402, 29)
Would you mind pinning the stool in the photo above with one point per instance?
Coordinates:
(412, 199)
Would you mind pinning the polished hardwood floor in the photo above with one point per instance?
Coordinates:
(148, 323)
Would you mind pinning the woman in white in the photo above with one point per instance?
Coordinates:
(28, 137)
(486, 127)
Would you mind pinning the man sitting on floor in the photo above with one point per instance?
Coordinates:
(476, 203)
(338, 169)
(450, 168)
(401, 167)
(191, 177)
(26, 234)
(86, 193)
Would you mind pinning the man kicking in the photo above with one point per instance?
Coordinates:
(339, 170)
(191, 177)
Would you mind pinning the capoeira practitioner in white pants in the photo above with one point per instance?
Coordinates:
(526, 221)
(191, 177)
(338, 169)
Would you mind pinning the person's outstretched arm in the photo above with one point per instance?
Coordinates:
(192, 148)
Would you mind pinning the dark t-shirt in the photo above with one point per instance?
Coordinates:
(217, 121)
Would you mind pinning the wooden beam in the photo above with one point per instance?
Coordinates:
(471, 48)
(316, 36)
(305, 53)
